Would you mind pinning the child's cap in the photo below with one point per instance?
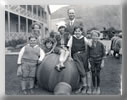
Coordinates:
(95, 31)
(61, 26)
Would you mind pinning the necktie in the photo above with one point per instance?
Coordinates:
(71, 23)
(94, 44)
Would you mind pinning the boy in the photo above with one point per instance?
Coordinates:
(29, 56)
(96, 55)
(78, 51)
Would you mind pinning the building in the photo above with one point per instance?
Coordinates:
(19, 18)
(55, 23)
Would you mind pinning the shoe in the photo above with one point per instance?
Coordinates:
(79, 90)
(62, 67)
(89, 91)
(25, 92)
(36, 86)
(31, 91)
(58, 68)
(94, 91)
(98, 91)
(84, 90)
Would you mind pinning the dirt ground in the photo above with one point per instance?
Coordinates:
(110, 77)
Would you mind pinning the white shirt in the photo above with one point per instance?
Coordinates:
(72, 22)
(42, 54)
(88, 42)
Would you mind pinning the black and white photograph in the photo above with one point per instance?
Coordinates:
(63, 49)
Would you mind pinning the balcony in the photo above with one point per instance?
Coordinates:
(26, 13)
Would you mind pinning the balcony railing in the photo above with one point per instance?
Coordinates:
(16, 35)
(22, 11)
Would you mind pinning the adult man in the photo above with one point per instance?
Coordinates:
(72, 21)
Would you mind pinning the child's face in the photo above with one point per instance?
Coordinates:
(33, 42)
(95, 36)
(62, 30)
(49, 45)
(78, 32)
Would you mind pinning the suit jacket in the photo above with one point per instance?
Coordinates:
(69, 28)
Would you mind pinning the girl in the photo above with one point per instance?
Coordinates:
(49, 45)
(29, 56)
(96, 55)
(61, 47)
(78, 50)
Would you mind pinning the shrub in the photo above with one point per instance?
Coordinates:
(14, 43)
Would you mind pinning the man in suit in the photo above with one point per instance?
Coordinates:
(72, 21)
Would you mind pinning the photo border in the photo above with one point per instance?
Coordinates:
(80, 97)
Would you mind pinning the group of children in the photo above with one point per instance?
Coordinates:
(87, 54)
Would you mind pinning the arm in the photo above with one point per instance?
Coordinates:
(42, 55)
(111, 44)
(20, 55)
(103, 56)
(88, 42)
(69, 44)
(103, 51)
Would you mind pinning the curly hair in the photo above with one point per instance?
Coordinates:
(48, 40)
(76, 27)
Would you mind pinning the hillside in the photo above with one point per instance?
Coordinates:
(94, 16)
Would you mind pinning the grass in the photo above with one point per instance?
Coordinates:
(110, 78)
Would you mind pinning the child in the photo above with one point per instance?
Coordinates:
(61, 47)
(78, 50)
(96, 54)
(49, 44)
(29, 56)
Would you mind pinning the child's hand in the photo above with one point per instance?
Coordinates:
(70, 59)
(102, 64)
(48, 53)
(111, 52)
(19, 70)
(39, 62)
(89, 65)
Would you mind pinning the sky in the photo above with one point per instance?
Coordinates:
(53, 8)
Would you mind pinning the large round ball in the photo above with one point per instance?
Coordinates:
(48, 76)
